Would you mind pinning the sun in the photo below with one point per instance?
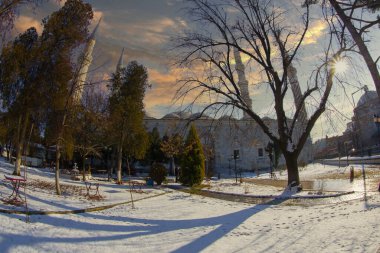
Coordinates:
(341, 66)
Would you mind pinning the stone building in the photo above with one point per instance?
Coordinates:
(364, 129)
(362, 135)
(223, 136)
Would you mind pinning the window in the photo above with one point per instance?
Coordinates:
(260, 152)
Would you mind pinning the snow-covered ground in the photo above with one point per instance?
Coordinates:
(324, 179)
(41, 197)
(180, 222)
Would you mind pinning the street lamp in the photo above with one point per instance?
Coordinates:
(346, 151)
(229, 164)
(236, 156)
(376, 120)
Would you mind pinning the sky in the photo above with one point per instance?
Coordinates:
(144, 29)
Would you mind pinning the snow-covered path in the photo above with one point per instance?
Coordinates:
(179, 222)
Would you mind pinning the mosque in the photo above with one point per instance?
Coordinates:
(224, 136)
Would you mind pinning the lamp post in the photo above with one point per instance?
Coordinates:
(376, 120)
(108, 149)
(346, 151)
(361, 144)
(206, 168)
(229, 164)
(236, 156)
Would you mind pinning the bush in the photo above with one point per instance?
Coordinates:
(158, 173)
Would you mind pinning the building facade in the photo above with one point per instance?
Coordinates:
(362, 135)
(223, 136)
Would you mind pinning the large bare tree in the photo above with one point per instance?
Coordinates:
(258, 30)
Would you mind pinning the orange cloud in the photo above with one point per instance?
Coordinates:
(25, 22)
(165, 87)
(315, 31)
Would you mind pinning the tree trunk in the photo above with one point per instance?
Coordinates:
(57, 158)
(119, 162)
(292, 168)
(172, 165)
(20, 143)
(360, 43)
(108, 166)
(129, 182)
(84, 168)
(9, 147)
(113, 160)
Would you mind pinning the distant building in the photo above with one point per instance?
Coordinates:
(362, 135)
(364, 130)
(223, 136)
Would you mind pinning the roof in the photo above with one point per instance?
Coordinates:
(177, 115)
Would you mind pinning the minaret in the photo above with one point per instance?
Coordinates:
(120, 63)
(297, 95)
(85, 63)
(302, 119)
(242, 81)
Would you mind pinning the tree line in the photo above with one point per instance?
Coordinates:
(39, 80)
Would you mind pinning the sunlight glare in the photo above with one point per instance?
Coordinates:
(341, 66)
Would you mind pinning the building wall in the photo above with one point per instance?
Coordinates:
(364, 125)
(224, 136)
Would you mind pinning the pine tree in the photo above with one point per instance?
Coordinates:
(19, 86)
(127, 113)
(154, 153)
(63, 32)
(192, 162)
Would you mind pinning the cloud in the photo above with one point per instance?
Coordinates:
(25, 22)
(315, 31)
(137, 32)
(163, 88)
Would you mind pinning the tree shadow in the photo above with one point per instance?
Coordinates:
(141, 227)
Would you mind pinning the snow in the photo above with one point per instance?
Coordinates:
(181, 222)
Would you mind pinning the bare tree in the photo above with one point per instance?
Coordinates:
(258, 30)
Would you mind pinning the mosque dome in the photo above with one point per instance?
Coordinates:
(177, 115)
(199, 116)
(171, 115)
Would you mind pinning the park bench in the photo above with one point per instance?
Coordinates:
(137, 185)
(92, 189)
